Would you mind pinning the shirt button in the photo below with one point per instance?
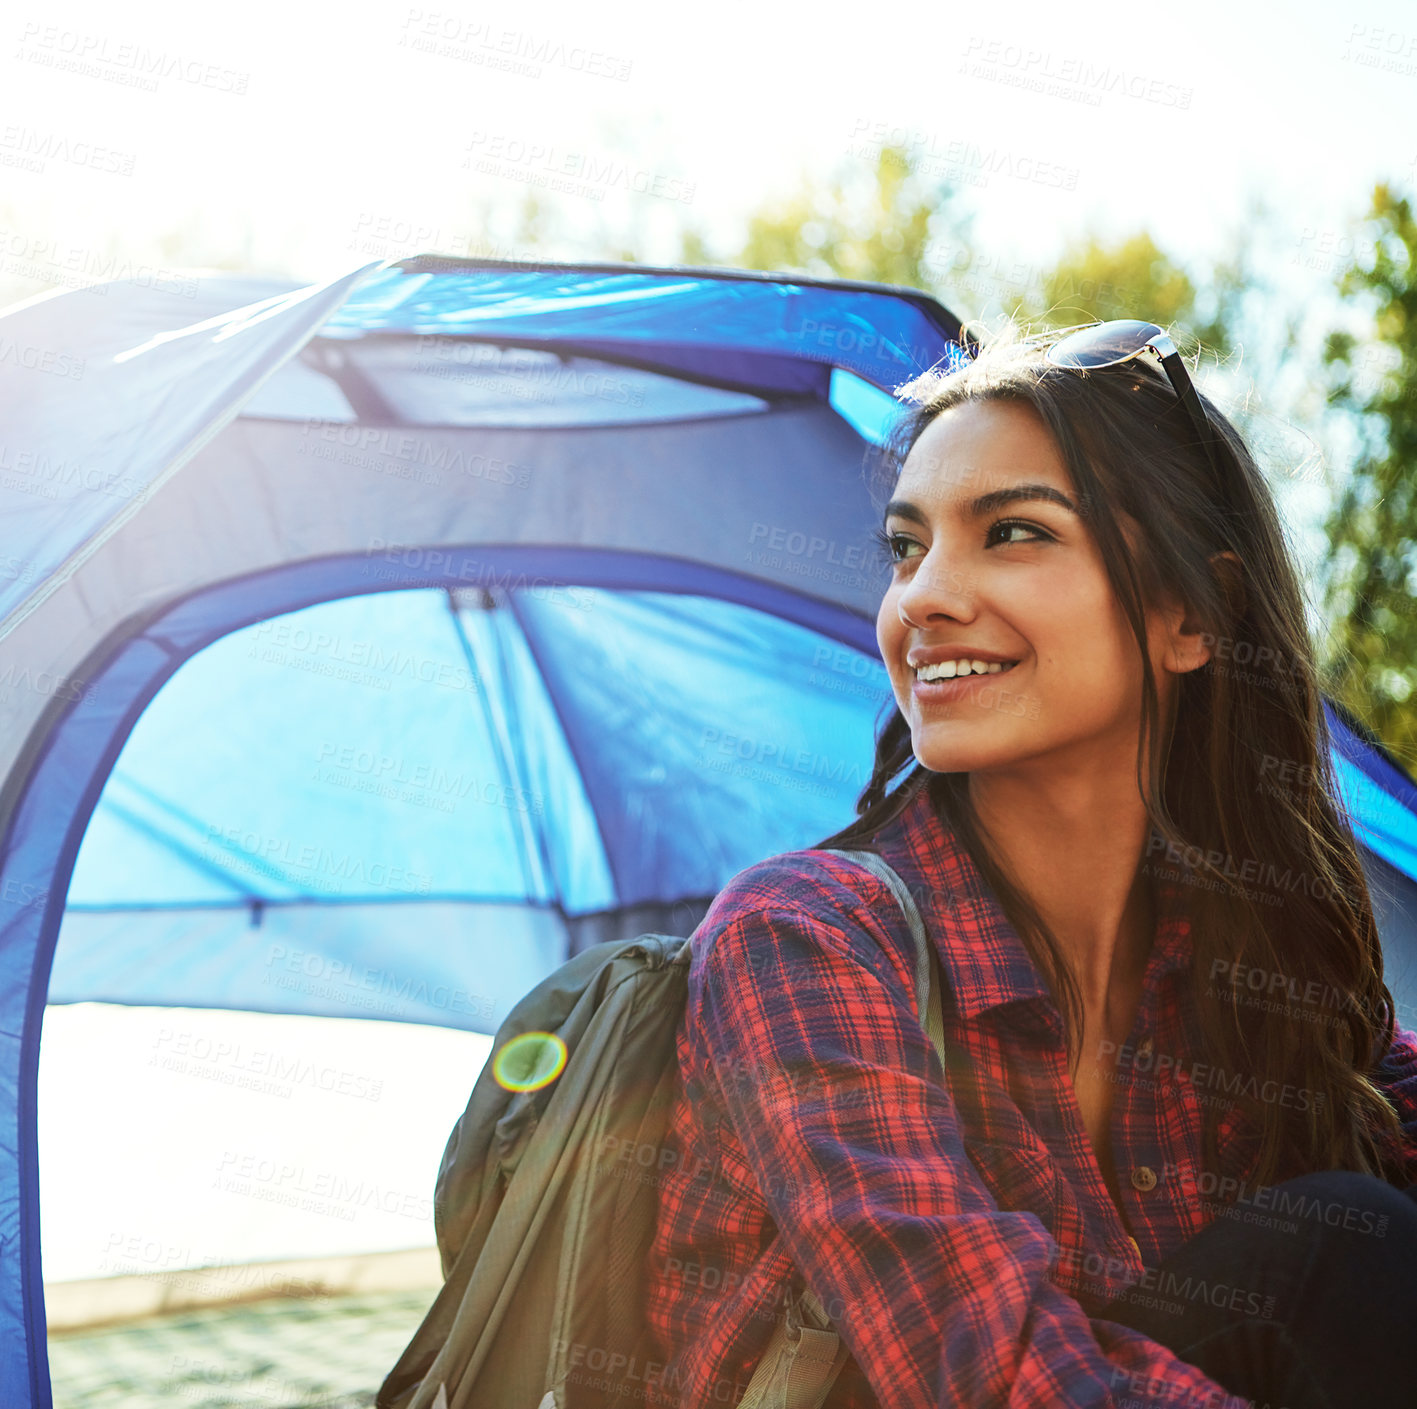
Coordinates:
(1144, 1047)
(1143, 1178)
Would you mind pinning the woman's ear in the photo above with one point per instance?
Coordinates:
(1189, 646)
(1231, 572)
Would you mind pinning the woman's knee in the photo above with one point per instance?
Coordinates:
(1353, 1225)
(1342, 1200)
(1360, 1233)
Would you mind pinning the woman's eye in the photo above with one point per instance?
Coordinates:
(893, 545)
(1037, 534)
(896, 546)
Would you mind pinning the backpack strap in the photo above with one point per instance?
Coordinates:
(801, 1362)
(929, 982)
(805, 1355)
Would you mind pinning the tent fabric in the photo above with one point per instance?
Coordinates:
(73, 477)
(407, 632)
(376, 484)
(764, 333)
(191, 883)
(1381, 797)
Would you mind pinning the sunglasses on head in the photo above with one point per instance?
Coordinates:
(1120, 340)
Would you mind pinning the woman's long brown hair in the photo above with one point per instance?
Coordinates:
(1243, 789)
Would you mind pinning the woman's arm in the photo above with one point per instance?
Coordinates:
(839, 1103)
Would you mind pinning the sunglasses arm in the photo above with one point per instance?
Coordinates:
(1176, 372)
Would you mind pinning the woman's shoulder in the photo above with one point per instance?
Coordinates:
(821, 881)
(808, 896)
(811, 880)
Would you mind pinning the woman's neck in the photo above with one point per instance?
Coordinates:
(1076, 855)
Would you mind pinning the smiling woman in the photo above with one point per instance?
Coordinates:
(1117, 1178)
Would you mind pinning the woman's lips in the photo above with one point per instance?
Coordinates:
(943, 691)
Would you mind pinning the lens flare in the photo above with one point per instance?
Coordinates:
(529, 1061)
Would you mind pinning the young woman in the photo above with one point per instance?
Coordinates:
(1140, 1177)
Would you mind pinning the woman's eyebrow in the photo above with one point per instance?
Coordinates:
(985, 503)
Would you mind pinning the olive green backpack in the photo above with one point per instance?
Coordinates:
(544, 1222)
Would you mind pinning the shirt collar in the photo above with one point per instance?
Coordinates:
(984, 961)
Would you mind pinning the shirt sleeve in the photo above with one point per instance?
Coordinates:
(840, 1104)
(1397, 1078)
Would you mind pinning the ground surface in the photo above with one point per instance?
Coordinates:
(283, 1353)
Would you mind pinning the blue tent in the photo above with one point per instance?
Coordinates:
(369, 648)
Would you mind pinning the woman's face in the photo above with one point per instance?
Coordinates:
(994, 559)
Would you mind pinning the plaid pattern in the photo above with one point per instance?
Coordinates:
(955, 1225)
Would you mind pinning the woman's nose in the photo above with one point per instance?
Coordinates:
(937, 588)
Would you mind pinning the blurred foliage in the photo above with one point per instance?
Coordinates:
(891, 224)
(1133, 278)
(1129, 279)
(877, 223)
(1372, 529)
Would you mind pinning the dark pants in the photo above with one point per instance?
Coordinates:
(1310, 1304)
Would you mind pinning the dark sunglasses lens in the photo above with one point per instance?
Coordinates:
(1104, 344)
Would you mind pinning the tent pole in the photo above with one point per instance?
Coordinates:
(501, 621)
(501, 745)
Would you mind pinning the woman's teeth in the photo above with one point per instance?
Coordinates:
(950, 669)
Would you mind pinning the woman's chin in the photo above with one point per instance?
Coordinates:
(940, 757)
(943, 748)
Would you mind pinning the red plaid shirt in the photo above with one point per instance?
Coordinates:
(956, 1227)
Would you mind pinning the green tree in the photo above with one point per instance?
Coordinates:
(1133, 277)
(880, 224)
(1371, 598)
(893, 223)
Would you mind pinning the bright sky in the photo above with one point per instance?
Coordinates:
(327, 131)
(315, 137)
